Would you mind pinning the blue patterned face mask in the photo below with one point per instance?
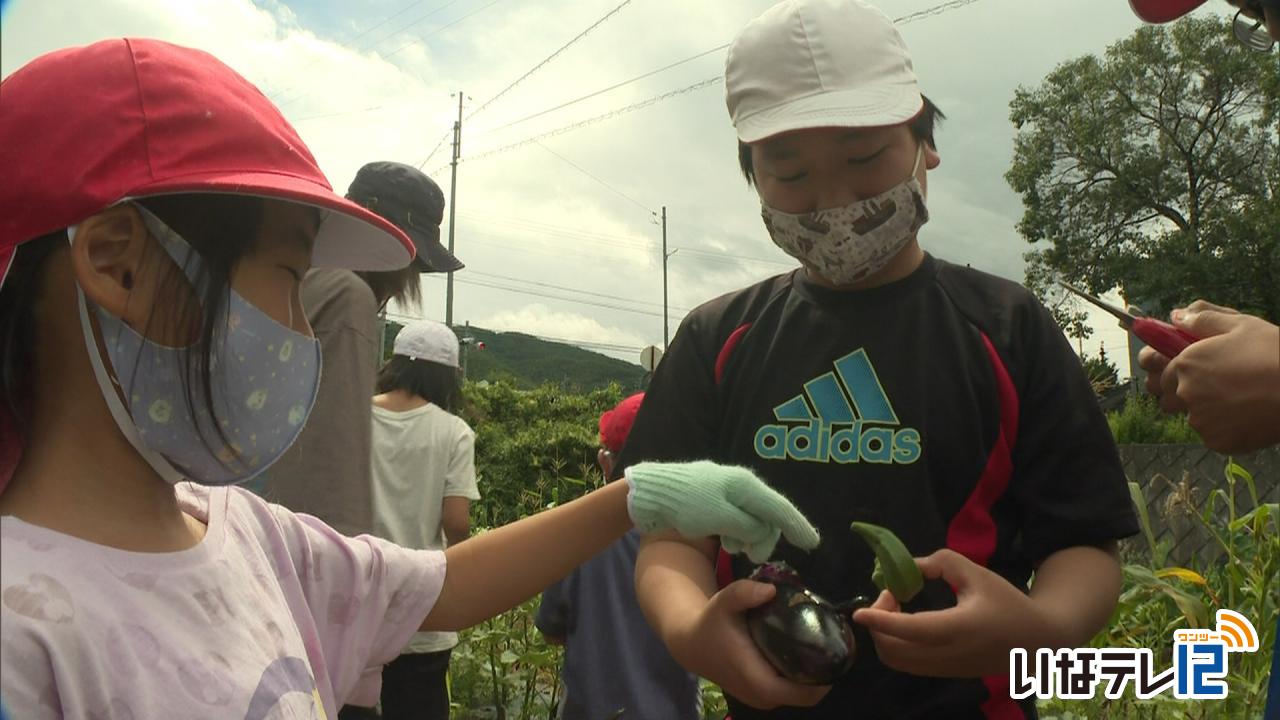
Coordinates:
(263, 377)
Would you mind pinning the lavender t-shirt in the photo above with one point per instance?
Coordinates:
(272, 615)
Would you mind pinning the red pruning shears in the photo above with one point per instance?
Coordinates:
(1165, 338)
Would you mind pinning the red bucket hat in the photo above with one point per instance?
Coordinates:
(1163, 11)
(86, 127)
(615, 424)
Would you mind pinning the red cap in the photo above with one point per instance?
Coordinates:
(1163, 11)
(86, 127)
(615, 424)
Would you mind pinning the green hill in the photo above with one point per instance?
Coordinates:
(528, 362)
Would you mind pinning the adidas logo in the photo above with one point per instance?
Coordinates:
(844, 417)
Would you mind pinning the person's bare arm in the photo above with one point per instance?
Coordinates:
(455, 517)
(705, 630)
(1077, 589)
(675, 578)
(497, 570)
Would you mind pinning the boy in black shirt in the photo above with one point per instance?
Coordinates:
(878, 384)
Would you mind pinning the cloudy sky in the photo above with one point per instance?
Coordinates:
(559, 234)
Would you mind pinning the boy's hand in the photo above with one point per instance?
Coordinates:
(716, 645)
(972, 639)
(704, 499)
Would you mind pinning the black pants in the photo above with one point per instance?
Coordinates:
(413, 688)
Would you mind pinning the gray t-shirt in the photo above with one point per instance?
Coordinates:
(326, 472)
(615, 666)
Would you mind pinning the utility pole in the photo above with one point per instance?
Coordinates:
(666, 321)
(666, 324)
(382, 334)
(453, 206)
(466, 348)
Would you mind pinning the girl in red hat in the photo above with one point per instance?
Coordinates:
(157, 216)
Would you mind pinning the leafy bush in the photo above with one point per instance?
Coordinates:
(534, 448)
(1141, 422)
(1157, 600)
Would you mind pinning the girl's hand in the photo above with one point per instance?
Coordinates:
(704, 499)
(972, 639)
(716, 645)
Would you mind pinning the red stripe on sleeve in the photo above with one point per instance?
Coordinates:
(724, 562)
(727, 349)
(972, 532)
(998, 705)
(724, 568)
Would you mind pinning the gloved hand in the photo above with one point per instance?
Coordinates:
(701, 499)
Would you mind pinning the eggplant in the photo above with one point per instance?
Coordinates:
(807, 639)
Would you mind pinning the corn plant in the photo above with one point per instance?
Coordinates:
(1158, 599)
(502, 669)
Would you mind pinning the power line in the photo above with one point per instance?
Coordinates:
(545, 232)
(386, 20)
(552, 252)
(564, 230)
(442, 28)
(619, 241)
(575, 166)
(405, 28)
(622, 241)
(935, 10)
(615, 86)
(722, 259)
(447, 134)
(336, 114)
(569, 289)
(375, 43)
(715, 255)
(520, 291)
(599, 118)
(550, 57)
(903, 20)
(540, 113)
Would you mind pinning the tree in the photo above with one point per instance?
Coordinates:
(1154, 170)
(1102, 373)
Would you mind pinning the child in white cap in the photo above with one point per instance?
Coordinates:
(878, 383)
(423, 465)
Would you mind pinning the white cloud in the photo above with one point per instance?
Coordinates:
(540, 321)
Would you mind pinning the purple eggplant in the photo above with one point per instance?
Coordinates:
(805, 638)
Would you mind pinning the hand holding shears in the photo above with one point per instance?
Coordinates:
(1163, 337)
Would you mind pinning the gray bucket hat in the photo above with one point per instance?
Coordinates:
(413, 202)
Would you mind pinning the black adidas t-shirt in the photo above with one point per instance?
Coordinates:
(946, 406)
